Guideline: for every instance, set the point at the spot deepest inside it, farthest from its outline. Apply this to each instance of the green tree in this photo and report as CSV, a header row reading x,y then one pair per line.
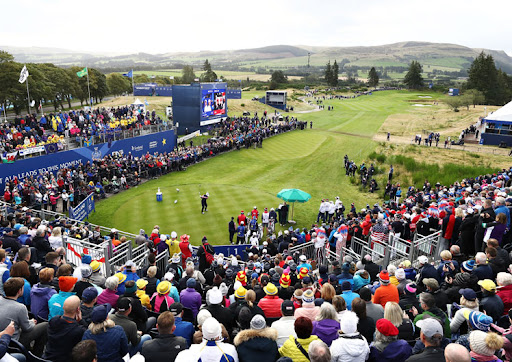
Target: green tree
x,y
118,84
475,96
328,72
413,79
455,102
279,77
209,75
373,77
6,57
187,74
335,74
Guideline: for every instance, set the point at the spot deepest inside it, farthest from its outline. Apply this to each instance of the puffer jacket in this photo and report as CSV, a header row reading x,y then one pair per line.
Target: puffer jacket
x,y
505,294
257,345
271,306
349,348
289,348
360,282
397,351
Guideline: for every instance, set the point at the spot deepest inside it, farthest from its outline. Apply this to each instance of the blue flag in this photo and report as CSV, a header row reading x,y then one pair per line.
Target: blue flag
x,y
129,74
146,102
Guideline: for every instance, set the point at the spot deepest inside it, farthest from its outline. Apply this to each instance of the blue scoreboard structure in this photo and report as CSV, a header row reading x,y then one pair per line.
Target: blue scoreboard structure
x,y
199,105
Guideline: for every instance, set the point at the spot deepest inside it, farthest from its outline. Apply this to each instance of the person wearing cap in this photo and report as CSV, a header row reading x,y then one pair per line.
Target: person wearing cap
x,y
284,325
111,340
218,311
121,279
166,345
41,293
257,343
386,292
239,298
348,294
387,345
297,347
138,313
211,348
432,287
241,218
426,270
109,294
271,303
490,302
64,332
183,328
89,298
160,300
56,302
121,318
84,281
468,302
173,243
476,321
204,249
141,293
190,298
431,335
351,346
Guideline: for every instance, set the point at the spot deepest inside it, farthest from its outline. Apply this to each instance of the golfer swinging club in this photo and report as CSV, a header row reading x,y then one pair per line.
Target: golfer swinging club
x,y
204,205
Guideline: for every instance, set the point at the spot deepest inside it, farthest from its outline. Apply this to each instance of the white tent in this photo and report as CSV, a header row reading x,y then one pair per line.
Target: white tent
x,y
504,114
138,104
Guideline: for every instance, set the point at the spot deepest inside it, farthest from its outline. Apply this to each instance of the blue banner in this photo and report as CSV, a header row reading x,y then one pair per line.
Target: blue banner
x,y
137,146
232,250
83,209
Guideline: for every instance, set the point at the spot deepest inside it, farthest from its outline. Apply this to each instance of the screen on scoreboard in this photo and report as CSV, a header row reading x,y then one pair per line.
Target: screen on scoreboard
x,y
213,103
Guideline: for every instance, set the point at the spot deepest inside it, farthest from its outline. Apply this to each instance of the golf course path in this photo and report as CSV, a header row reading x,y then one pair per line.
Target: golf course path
x,y
316,109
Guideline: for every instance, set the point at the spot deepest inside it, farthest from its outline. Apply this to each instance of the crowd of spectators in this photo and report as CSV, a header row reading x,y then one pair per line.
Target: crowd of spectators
x,y
275,304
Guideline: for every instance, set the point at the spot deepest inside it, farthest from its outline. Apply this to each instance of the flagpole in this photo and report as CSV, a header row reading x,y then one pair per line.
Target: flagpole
x,y
89,88
133,87
28,95
5,114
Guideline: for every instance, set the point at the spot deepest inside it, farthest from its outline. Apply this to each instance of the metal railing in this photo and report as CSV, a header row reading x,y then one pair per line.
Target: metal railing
x,y
75,248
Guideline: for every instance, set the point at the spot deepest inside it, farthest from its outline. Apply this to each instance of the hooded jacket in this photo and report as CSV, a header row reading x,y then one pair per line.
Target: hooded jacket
x,y
39,297
191,299
63,334
326,330
255,345
289,348
349,348
397,351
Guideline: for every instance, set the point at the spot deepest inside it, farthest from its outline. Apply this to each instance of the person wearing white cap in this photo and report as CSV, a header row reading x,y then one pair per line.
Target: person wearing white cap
x,y
218,311
431,335
351,346
304,263
212,348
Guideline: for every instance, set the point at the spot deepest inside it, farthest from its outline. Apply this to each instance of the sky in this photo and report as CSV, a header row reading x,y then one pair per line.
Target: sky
x,y
129,26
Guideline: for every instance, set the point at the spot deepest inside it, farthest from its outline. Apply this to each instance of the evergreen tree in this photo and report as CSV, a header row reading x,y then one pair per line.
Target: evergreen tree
x,y
335,71
492,82
413,78
328,73
373,77
209,75
188,74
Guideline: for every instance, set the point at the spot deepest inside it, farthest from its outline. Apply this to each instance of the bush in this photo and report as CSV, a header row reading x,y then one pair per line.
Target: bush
x,y
242,105
474,155
381,158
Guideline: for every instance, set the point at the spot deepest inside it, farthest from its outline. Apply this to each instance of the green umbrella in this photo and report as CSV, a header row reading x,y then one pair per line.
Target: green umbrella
x,y
293,196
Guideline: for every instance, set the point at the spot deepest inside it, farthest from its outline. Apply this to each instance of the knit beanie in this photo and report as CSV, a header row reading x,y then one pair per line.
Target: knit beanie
x,y
384,277
485,344
468,266
303,272
285,280
241,277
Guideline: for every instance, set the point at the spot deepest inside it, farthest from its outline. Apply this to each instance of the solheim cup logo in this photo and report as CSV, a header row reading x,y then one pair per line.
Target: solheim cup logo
x,y
96,154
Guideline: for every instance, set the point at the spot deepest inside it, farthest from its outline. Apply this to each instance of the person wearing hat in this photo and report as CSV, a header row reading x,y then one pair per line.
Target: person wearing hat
x,y
84,281
166,345
121,318
111,341
89,298
56,302
468,302
185,248
351,345
476,321
211,348
190,298
285,289
484,346
426,270
440,295
284,325
257,343
308,308
348,294
121,279
271,303
345,274
97,278
386,292
109,294
218,311
141,293
467,232
387,347
41,293
297,347
402,280
183,328
239,296
160,300
202,252
64,332
175,266
490,302
173,243
431,335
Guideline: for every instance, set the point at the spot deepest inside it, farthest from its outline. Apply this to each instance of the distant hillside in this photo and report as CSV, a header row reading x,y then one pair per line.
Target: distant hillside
x,y
433,56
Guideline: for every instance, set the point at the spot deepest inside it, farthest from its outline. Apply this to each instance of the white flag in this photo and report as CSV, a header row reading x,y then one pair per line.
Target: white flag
x,y
171,77
23,74
33,103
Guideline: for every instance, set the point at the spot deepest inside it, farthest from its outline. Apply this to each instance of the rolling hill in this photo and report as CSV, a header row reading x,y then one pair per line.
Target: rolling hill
x,y
441,56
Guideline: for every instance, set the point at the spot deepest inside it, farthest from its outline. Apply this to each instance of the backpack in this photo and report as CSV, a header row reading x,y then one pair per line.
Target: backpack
x,y
209,257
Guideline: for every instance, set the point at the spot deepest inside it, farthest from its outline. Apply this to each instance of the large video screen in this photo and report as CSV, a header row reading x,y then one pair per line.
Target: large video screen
x,y
213,103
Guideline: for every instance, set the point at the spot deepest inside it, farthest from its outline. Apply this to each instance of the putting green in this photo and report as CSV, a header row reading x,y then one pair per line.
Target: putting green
x,y
311,160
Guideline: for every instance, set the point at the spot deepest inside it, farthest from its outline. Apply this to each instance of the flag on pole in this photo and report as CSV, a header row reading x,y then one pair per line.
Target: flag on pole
x,y
23,75
33,103
82,73
196,79
40,105
129,74
146,102
9,157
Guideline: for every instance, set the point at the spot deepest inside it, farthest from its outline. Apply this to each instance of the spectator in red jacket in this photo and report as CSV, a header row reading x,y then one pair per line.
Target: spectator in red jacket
x,y
504,281
387,292
271,303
